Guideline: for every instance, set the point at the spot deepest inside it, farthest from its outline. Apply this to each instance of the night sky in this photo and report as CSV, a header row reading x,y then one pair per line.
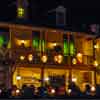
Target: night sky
x,y
78,11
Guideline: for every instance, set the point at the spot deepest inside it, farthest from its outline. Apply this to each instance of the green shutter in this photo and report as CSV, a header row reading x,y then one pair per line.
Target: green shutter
x,y
1,41
66,49
35,43
72,49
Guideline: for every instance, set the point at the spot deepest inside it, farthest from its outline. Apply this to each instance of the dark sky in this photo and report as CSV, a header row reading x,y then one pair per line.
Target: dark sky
x,y
78,11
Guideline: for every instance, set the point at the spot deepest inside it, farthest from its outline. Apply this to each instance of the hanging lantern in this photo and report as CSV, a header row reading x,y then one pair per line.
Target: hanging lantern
x,y
44,58
74,61
58,58
79,57
96,63
30,57
22,58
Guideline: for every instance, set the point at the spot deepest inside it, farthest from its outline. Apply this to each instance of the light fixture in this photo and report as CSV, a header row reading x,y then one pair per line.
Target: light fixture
x,y
96,63
74,61
22,58
18,77
79,57
69,90
46,79
96,46
30,57
58,58
53,91
44,58
17,91
93,88
74,79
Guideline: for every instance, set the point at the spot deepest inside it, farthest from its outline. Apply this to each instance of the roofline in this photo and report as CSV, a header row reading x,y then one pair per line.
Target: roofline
x,y
13,25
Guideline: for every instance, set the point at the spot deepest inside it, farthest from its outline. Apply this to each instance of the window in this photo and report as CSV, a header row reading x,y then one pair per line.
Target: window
x,y
20,12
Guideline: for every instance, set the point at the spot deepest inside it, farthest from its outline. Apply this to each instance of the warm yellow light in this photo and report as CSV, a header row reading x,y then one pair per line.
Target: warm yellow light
x,y
44,58
46,79
93,88
17,91
26,43
79,57
20,12
54,44
96,46
18,77
69,90
74,61
96,63
53,91
23,41
30,57
22,57
74,79
58,58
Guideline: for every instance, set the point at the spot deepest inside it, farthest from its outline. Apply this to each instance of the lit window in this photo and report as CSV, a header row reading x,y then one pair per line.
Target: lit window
x,y
20,12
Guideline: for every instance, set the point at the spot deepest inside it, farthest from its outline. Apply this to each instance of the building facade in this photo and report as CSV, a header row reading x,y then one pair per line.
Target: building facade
x,y
47,56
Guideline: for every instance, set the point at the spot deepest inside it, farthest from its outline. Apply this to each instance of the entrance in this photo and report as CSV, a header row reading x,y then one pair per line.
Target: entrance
x,y
56,78
81,78
28,76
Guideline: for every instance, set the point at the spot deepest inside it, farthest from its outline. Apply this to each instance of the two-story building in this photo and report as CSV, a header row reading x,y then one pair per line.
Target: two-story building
x,y
47,56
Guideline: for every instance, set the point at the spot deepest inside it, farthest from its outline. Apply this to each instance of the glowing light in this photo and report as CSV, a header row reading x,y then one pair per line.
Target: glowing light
x,y
44,58
96,63
79,57
54,44
93,88
58,58
18,77
74,61
23,41
96,46
74,79
20,12
17,91
22,57
69,90
53,91
30,57
46,79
